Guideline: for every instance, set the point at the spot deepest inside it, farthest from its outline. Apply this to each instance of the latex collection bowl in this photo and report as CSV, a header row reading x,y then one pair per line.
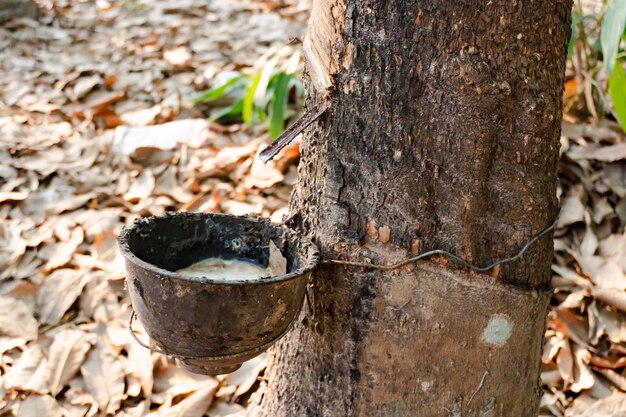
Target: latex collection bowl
x,y
212,326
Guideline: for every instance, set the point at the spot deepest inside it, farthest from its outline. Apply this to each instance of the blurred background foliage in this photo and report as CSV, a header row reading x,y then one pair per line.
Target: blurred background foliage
x,y
596,82
271,93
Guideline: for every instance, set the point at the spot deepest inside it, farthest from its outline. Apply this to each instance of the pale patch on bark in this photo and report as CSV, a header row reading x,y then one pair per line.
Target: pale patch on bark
x,y
318,47
348,87
398,292
324,55
348,58
498,331
319,76
426,385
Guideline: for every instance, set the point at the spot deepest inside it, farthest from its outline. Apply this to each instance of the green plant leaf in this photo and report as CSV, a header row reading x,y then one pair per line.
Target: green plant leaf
x,y
254,96
260,114
228,113
220,91
572,38
279,102
262,92
248,99
612,29
617,88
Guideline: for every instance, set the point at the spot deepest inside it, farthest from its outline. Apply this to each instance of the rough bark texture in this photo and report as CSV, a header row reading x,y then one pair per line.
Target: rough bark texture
x,y
442,132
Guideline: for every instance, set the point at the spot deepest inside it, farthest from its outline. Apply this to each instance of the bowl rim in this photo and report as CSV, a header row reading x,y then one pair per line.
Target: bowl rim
x,y
311,259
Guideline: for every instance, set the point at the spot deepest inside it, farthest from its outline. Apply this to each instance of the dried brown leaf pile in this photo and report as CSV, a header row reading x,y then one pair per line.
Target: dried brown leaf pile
x,y
584,355
95,131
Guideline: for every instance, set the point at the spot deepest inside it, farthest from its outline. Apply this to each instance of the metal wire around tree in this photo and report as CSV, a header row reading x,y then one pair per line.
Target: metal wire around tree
x,y
451,255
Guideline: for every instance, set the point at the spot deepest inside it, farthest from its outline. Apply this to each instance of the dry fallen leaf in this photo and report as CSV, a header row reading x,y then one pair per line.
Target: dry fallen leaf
x,y
191,132
581,403
277,265
64,250
171,381
84,85
222,409
10,343
613,323
602,272
550,377
583,377
142,117
16,319
39,405
616,379
195,405
67,353
565,363
58,293
141,188
572,211
612,406
103,374
551,348
602,153
611,296
168,185
571,326
262,175
12,246
177,56
29,373
589,245
12,196
139,370
98,100
78,395
246,376
70,410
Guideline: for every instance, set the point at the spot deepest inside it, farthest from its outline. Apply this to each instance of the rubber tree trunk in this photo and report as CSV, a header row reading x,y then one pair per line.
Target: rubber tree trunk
x,y
442,133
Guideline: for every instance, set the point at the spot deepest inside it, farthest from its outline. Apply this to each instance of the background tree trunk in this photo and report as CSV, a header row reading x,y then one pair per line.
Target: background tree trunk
x,y
10,9
442,132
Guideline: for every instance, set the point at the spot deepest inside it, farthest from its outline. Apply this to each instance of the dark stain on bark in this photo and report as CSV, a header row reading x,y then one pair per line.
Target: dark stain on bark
x,y
360,314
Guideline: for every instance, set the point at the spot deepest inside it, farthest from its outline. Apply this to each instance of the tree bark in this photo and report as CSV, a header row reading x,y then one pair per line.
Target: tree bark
x,y
442,133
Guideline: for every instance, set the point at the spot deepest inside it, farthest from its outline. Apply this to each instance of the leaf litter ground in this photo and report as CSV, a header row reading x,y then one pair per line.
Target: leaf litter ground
x,y
96,129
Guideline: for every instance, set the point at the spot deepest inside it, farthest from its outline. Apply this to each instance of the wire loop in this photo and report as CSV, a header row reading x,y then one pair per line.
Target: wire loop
x,y
451,255
133,315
